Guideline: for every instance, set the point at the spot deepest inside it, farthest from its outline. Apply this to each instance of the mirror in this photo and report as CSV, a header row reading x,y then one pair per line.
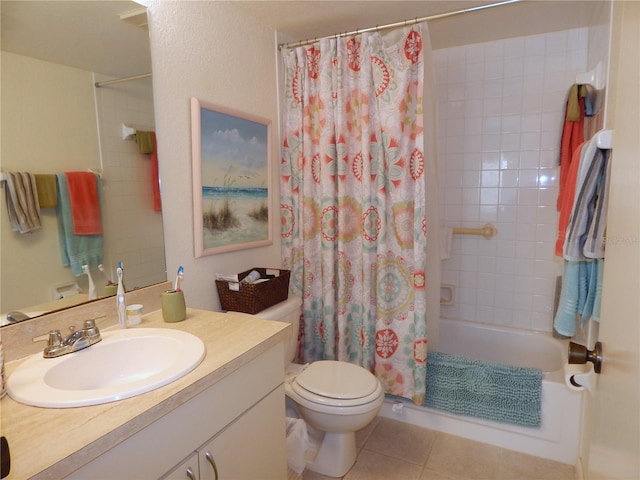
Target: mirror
x,y
55,120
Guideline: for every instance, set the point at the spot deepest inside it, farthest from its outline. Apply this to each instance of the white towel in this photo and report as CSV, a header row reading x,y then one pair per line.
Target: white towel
x,y
589,206
297,444
21,198
594,244
446,240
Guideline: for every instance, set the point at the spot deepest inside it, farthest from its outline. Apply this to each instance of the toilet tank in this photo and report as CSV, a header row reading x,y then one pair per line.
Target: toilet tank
x,y
289,312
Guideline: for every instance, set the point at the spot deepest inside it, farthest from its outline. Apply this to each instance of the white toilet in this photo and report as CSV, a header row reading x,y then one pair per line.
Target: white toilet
x,y
336,398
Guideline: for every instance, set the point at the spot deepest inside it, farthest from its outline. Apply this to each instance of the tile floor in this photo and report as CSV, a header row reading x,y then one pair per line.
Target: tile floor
x,y
393,450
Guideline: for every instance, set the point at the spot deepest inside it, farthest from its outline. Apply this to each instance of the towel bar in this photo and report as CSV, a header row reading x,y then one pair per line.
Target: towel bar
x,y
595,77
488,231
603,139
127,132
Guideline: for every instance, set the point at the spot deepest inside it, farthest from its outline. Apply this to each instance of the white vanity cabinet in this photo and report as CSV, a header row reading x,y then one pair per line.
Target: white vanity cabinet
x,y
243,450
239,421
187,470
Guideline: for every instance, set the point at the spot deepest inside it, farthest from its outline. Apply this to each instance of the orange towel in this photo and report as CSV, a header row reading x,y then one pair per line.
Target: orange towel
x,y
157,205
85,203
565,202
147,145
572,137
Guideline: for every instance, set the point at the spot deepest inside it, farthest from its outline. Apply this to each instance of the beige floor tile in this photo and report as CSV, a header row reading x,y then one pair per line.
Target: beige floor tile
x,y
464,458
291,475
392,450
518,466
374,466
308,475
363,435
401,440
428,474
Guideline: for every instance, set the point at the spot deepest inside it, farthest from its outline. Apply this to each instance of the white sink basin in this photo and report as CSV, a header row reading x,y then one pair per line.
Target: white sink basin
x,y
124,364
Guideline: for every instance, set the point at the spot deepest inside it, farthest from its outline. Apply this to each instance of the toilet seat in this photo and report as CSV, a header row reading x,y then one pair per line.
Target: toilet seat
x,y
335,383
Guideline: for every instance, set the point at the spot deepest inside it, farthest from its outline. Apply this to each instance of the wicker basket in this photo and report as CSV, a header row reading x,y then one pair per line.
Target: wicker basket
x,y
254,297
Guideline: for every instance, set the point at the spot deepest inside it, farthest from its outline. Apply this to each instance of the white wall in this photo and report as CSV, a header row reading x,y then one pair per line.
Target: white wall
x,y
215,52
501,109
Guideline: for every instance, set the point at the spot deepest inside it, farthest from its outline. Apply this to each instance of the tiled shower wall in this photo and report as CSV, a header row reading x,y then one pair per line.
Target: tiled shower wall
x,y
501,106
134,230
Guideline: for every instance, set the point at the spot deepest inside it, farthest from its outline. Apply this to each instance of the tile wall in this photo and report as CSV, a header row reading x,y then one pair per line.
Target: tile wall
x,y
501,106
135,234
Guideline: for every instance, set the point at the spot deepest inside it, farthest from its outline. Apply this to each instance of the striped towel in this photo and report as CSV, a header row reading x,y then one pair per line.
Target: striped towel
x,y
21,196
594,244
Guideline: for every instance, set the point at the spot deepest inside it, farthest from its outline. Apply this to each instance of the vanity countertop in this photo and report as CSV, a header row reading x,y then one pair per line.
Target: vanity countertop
x,y
52,442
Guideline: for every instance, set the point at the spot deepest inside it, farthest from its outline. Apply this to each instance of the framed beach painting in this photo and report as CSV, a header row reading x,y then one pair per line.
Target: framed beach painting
x,y
231,179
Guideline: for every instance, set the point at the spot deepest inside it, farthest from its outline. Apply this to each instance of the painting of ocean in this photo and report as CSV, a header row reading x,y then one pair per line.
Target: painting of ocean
x,y
231,171
247,205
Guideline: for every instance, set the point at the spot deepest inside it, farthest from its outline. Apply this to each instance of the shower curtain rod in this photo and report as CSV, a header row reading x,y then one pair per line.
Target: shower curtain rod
x,y
399,24
123,79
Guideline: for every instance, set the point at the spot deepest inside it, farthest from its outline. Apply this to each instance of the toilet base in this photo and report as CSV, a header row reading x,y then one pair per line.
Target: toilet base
x,y
336,454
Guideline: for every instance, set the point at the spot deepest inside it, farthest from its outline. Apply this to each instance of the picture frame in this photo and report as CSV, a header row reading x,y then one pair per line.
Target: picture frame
x,y
231,154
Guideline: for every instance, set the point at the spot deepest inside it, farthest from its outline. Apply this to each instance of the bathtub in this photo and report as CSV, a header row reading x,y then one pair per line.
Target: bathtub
x,y
558,437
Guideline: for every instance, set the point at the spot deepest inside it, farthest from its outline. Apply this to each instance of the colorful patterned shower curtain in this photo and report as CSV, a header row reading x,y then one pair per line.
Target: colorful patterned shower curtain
x,y
353,203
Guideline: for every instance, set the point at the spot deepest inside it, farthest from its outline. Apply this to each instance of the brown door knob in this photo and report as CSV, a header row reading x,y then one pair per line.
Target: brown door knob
x,y
580,354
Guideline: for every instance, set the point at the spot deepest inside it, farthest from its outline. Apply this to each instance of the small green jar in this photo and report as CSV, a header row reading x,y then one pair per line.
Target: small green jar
x,y
174,308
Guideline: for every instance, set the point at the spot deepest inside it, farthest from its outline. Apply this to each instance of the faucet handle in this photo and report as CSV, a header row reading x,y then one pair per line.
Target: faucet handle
x,y
55,339
91,329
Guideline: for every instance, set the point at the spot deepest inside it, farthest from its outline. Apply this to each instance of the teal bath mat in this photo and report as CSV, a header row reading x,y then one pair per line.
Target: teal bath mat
x,y
502,393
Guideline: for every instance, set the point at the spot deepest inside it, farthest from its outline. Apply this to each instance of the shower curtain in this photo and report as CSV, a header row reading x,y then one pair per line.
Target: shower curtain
x,y
353,202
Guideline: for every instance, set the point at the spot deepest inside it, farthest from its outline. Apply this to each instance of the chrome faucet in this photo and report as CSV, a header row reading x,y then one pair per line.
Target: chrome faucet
x,y
76,340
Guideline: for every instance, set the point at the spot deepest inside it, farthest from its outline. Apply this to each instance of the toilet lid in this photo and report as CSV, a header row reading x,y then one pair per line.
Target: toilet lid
x,y
338,380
